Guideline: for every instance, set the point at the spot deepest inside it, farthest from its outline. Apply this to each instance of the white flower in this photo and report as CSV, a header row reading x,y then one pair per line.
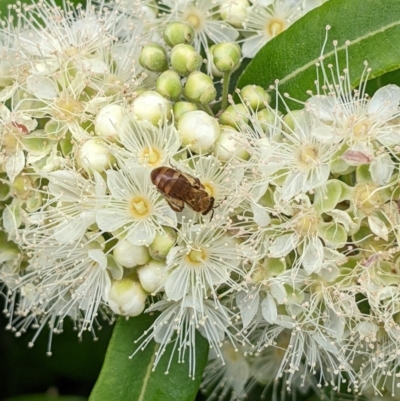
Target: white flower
x,y
204,258
267,19
146,144
179,322
134,208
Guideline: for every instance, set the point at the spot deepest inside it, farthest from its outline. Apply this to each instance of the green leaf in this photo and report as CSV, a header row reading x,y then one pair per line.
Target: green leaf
x,y
371,26
125,379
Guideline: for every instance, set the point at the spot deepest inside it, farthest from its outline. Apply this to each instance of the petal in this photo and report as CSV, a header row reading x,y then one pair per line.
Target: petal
x,y
42,87
142,233
14,164
248,306
385,102
177,284
381,169
313,256
269,309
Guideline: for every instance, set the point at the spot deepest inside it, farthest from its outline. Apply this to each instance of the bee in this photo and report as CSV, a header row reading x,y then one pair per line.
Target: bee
x,y
179,188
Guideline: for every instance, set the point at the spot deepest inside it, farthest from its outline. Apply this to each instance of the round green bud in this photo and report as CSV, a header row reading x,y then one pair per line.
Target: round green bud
x,y
234,115
226,56
234,12
180,108
169,85
127,297
162,243
177,33
267,120
185,59
153,57
255,96
200,88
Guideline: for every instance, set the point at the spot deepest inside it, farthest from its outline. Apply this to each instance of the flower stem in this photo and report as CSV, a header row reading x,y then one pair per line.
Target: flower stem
x,y
225,90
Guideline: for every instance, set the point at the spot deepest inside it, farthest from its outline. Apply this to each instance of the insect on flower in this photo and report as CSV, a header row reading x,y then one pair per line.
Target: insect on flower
x,y
179,188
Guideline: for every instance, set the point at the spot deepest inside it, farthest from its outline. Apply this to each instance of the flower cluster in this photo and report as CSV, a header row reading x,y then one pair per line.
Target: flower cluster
x,y
291,272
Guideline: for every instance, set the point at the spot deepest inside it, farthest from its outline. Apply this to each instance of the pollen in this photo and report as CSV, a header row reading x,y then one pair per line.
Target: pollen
x,y
367,198
308,156
209,188
306,224
194,17
139,207
67,108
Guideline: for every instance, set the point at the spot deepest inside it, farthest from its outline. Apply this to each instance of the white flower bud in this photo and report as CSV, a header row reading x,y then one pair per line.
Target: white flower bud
x,y
198,131
177,33
162,243
108,120
153,57
152,276
169,85
234,115
180,108
230,143
127,297
93,155
255,96
226,56
129,255
200,88
185,59
151,106
234,12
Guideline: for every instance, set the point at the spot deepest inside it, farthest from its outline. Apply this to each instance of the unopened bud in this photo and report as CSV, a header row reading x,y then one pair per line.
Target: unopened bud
x,y
198,131
129,255
93,155
169,85
162,243
234,115
177,33
108,120
127,297
152,276
234,12
185,59
153,57
151,106
180,108
200,88
230,144
226,56
255,96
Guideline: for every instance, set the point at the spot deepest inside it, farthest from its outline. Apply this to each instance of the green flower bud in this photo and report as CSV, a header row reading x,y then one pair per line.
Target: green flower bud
x,y
226,56
268,119
177,33
180,108
153,57
234,12
255,96
200,88
185,59
234,115
169,85
162,243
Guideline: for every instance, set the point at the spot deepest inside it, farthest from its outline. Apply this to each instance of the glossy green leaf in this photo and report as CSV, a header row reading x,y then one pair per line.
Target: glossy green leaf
x,y
371,26
125,379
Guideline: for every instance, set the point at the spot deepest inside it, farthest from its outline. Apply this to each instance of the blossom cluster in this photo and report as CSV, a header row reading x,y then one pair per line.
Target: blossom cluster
x,y
294,272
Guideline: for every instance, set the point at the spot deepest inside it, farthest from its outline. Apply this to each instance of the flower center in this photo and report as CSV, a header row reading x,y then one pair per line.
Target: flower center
x,y
275,27
209,188
150,156
196,256
361,129
308,156
366,198
306,225
67,108
139,207
195,18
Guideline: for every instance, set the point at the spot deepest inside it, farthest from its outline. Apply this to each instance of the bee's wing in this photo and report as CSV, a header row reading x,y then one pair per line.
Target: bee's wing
x,y
176,204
